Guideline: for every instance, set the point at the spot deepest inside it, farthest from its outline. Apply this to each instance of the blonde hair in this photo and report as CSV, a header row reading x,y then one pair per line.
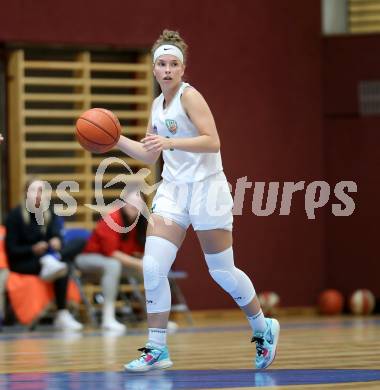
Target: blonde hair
x,y
169,37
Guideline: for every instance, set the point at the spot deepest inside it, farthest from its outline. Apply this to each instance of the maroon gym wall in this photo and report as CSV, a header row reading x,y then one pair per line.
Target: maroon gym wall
x,y
259,66
352,153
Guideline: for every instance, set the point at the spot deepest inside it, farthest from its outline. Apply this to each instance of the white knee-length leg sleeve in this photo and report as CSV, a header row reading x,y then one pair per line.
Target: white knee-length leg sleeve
x,y
158,258
234,281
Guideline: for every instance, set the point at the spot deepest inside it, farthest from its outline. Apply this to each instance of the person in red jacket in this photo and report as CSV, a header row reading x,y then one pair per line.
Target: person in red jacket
x,y
113,253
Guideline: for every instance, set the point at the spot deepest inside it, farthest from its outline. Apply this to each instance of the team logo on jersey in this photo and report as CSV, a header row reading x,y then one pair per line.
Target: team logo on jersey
x,y
171,125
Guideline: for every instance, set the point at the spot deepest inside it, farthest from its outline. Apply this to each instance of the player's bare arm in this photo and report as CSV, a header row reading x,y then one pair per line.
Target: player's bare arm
x,y
137,150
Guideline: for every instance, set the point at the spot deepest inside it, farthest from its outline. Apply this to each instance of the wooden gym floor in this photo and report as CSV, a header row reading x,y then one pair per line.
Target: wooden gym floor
x,y
314,353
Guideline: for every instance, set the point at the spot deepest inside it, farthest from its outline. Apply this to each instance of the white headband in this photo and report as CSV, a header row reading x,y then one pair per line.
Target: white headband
x,y
168,49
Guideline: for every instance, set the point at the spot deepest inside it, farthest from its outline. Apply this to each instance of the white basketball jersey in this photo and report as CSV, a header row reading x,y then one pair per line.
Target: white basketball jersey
x,y
173,122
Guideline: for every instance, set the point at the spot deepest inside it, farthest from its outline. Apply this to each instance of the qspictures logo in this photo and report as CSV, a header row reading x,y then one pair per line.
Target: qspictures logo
x,y
264,198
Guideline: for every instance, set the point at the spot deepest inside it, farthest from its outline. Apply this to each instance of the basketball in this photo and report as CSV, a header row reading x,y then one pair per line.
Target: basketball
x,y
269,302
330,302
98,130
362,302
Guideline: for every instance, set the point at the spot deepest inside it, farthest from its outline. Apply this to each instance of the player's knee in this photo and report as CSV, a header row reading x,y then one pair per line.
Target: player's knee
x,y
151,270
155,272
221,267
158,259
234,281
156,283
229,279
225,278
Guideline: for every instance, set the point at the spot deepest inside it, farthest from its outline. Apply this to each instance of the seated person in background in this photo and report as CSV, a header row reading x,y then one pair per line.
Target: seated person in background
x,y
36,249
111,253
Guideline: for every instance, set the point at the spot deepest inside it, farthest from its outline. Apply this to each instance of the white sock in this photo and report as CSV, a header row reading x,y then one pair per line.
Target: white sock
x,y
108,311
257,322
157,336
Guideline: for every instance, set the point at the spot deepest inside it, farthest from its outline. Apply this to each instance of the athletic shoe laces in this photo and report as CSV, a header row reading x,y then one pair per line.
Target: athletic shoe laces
x,y
259,345
148,354
145,350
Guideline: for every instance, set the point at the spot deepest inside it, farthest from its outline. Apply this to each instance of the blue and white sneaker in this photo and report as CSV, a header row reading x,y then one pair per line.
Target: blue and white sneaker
x,y
152,357
266,343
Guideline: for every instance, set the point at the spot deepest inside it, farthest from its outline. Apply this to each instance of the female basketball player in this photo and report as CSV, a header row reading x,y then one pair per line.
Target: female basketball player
x,y
194,191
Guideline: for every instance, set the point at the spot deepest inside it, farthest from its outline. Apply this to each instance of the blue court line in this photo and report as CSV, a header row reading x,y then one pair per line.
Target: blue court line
x,y
183,379
49,333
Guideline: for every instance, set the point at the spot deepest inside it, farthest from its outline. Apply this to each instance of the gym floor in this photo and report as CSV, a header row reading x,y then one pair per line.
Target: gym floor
x,y
216,353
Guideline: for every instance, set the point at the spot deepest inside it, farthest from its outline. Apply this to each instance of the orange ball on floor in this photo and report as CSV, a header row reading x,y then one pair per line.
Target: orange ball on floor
x,y
330,302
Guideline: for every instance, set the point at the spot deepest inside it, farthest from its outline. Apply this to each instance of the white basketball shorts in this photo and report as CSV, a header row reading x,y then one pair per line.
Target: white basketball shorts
x,y
206,204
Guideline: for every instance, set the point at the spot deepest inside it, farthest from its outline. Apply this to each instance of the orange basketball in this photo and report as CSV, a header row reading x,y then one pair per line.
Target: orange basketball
x,y
330,302
98,130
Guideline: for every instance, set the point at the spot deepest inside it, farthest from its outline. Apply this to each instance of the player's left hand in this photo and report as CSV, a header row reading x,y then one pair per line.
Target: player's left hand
x,y
156,143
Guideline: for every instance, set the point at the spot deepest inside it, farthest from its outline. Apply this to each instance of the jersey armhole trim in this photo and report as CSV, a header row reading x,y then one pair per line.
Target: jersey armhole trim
x,y
180,98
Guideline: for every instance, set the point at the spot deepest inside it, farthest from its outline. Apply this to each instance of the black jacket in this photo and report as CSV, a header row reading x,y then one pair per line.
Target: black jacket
x,y
21,235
